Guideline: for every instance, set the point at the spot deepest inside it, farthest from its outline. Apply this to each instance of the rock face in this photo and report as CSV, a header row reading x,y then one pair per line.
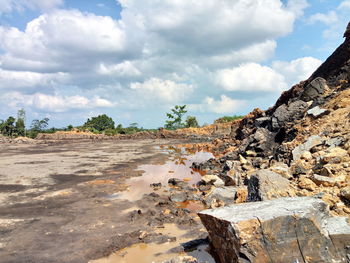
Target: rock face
x,y
265,185
281,231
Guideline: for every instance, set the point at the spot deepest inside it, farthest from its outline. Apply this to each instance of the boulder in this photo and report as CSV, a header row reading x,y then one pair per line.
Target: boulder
x,y
211,179
266,184
178,197
323,180
283,114
314,90
317,112
224,194
335,155
345,193
311,142
282,230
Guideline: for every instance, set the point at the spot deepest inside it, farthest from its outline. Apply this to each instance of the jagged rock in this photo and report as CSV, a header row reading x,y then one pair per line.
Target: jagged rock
x,y
283,114
323,180
306,183
317,112
282,230
347,31
282,169
211,179
335,155
262,122
266,184
299,167
335,142
311,142
181,259
345,192
225,194
314,90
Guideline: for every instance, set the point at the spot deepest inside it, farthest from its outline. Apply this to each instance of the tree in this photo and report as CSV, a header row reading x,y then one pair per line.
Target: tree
x,y
8,127
20,123
191,121
39,125
175,118
100,123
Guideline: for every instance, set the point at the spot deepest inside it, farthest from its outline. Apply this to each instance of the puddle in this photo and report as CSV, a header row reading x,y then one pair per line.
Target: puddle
x,y
177,167
152,252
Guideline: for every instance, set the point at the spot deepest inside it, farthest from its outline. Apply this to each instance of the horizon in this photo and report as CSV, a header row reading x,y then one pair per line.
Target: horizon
x,y
71,60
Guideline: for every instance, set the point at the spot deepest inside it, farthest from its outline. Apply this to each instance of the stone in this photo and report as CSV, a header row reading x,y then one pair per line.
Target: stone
x,y
181,259
210,179
225,194
283,114
266,184
347,32
251,153
306,155
299,167
314,90
282,169
335,142
323,180
231,178
335,155
345,193
311,142
306,183
281,230
242,159
178,197
177,183
262,122
317,112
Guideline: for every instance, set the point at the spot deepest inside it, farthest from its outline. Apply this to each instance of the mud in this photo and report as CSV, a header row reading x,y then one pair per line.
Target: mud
x,y
61,203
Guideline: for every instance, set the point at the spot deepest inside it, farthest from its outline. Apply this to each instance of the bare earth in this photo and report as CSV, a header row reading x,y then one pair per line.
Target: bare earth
x,y
55,203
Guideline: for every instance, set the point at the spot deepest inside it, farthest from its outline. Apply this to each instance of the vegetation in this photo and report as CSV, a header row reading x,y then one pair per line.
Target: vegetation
x,y
38,126
191,121
99,123
175,118
228,119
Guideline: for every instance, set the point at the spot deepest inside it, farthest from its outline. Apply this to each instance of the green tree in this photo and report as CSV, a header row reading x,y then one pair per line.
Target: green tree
x,y
191,121
20,123
175,118
39,125
100,123
70,127
8,127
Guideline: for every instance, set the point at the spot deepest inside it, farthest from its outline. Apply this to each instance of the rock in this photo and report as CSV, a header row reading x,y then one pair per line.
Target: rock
x,y
251,153
241,195
335,155
314,90
211,179
262,122
281,230
178,197
299,167
347,32
225,194
283,114
335,142
266,184
306,183
323,180
181,259
345,193
317,112
242,159
282,169
156,185
177,183
306,155
325,171
311,142
231,178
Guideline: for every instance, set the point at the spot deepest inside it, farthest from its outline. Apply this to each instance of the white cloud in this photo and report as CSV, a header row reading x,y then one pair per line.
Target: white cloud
x,y
225,105
297,6
53,103
166,90
296,70
329,18
124,69
251,77
344,5
7,6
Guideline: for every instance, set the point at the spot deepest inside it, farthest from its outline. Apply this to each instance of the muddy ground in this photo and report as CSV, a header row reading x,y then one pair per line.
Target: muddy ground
x,y
57,201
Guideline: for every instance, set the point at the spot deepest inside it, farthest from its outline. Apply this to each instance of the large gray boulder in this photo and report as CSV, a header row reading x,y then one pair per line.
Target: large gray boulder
x,y
288,113
266,184
226,195
285,230
314,90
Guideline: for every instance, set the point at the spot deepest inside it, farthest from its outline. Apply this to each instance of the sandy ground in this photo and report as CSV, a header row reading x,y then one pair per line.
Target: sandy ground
x,y
55,203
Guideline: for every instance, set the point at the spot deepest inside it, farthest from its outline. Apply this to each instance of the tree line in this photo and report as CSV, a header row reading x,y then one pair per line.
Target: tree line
x,y
14,127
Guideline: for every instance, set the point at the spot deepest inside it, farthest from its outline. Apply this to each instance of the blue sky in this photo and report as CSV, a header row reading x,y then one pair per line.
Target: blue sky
x,y
134,60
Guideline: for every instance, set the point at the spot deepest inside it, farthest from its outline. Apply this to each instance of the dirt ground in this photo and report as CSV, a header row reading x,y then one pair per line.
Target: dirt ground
x,y
57,205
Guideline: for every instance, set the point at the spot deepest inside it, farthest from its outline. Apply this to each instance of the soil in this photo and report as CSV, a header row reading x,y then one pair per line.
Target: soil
x,y
60,202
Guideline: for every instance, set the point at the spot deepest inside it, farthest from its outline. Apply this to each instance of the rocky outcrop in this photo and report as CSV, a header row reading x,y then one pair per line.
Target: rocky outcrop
x,y
282,230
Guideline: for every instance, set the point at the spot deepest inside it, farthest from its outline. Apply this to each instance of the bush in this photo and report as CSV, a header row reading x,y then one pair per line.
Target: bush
x,y
228,119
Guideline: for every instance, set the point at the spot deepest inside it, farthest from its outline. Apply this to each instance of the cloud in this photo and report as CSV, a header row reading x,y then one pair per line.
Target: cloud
x,y
251,77
329,18
296,70
225,105
344,5
166,90
53,103
7,6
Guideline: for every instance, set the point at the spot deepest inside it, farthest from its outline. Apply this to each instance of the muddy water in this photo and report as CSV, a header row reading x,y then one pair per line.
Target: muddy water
x,y
178,166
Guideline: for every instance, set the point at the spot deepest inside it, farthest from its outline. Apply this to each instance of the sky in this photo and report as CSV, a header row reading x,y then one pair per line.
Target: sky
x,y
134,60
